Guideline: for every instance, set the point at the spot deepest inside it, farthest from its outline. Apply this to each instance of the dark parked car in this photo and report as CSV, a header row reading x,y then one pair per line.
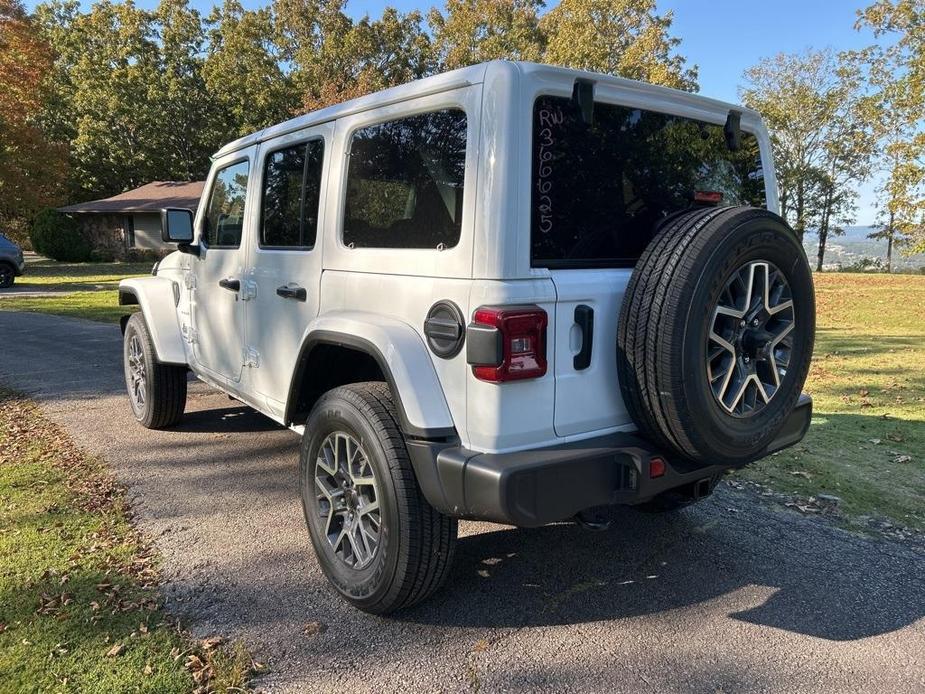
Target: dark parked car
x,y
12,263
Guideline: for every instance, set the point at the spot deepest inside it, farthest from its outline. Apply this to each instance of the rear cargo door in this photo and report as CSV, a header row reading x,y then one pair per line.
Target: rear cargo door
x,y
585,362
603,179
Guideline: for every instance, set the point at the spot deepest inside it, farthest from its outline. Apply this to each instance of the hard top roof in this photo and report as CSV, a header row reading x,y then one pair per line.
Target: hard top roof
x,y
454,79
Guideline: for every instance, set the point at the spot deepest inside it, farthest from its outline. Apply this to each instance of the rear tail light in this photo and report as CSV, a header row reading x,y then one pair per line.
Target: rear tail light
x,y
708,197
657,467
507,343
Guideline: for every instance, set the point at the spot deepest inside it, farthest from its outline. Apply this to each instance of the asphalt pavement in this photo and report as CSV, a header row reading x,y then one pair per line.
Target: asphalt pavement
x,y
732,595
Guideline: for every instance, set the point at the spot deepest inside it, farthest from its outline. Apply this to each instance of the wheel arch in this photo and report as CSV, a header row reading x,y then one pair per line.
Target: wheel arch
x,y
352,349
157,297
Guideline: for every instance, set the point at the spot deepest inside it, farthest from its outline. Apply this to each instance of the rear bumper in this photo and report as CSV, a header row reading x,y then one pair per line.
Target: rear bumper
x,y
535,487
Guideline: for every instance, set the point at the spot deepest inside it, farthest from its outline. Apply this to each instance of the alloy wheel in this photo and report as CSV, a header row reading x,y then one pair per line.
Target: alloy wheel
x,y
751,338
348,500
138,379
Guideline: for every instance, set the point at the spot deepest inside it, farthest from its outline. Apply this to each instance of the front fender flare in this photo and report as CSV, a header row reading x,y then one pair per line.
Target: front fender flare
x,y
157,298
403,359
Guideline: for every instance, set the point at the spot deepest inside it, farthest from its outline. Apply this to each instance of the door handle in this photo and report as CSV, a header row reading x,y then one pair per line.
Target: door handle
x,y
584,317
230,284
292,292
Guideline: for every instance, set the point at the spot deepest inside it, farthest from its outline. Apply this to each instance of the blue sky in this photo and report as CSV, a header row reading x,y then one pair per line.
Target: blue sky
x,y
721,37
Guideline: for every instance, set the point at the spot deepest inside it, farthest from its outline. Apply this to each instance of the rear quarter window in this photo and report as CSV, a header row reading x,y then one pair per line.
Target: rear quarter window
x,y
405,182
599,191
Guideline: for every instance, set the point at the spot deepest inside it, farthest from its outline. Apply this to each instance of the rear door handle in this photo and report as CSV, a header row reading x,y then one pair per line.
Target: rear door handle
x,y
295,293
584,317
230,284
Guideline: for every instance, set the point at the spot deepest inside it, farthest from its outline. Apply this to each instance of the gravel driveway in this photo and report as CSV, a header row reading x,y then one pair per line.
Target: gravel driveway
x,y
732,595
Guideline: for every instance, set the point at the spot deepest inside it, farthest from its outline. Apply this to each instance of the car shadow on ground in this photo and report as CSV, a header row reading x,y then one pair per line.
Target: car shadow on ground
x,y
799,575
234,419
790,572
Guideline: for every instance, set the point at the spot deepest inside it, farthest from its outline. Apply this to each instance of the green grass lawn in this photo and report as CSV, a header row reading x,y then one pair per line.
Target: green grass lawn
x,y
47,274
79,608
88,289
866,444
102,305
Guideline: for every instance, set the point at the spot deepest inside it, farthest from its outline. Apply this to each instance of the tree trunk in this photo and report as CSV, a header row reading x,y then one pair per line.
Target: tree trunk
x,y
824,230
889,246
823,234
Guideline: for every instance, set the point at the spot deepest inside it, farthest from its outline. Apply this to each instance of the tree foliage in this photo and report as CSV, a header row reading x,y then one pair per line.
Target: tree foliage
x,y
31,167
618,37
822,121
473,31
247,88
134,95
899,75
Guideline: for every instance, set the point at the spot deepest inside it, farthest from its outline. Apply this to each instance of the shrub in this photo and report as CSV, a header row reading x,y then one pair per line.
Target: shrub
x,y
102,255
864,265
58,237
142,255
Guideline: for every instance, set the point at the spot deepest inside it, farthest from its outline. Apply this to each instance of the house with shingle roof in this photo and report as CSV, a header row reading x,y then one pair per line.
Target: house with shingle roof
x,y
132,220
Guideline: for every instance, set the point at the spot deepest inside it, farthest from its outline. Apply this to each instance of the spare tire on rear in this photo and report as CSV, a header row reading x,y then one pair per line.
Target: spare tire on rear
x,y
716,333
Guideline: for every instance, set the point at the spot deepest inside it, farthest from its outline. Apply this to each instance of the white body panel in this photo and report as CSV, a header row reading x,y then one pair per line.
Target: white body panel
x,y
274,325
383,295
405,355
155,296
588,399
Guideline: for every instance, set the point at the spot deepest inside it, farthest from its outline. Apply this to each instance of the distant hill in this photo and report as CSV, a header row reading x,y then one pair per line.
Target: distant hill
x,y
853,246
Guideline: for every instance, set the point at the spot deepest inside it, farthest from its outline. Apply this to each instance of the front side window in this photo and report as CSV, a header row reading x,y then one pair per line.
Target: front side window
x,y
291,195
599,190
405,182
224,222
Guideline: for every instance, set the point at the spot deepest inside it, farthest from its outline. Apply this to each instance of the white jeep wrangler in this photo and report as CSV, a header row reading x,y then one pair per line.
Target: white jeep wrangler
x,y
512,292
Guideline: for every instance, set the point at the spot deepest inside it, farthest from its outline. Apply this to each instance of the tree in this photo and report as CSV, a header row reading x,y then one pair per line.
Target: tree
x,y
474,31
179,95
242,72
130,98
31,167
902,213
901,195
334,58
110,62
899,71
821,120
618,37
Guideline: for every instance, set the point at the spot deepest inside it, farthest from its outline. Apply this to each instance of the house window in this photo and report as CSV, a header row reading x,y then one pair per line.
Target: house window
x,y
130,231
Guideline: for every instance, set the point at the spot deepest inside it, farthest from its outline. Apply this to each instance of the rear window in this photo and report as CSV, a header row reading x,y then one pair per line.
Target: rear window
x,y
405,182
600,190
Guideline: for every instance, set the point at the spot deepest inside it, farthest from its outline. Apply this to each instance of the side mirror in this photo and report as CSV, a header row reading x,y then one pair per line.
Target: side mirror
x,y
177,226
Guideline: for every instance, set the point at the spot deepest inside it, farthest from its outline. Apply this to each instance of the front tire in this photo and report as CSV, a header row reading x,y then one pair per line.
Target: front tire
x,y
156,391
378,541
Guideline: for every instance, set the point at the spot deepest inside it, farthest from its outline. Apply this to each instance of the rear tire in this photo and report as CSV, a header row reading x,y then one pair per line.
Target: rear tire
x,y
378,541
156,391
680,378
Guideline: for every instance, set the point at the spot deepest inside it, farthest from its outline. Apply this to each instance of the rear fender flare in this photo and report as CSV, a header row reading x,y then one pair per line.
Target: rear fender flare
x,y
403,359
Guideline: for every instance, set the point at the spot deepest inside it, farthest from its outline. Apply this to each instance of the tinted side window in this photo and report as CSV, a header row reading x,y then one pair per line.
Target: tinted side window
x,y
599,191
225,217
405,182
291,193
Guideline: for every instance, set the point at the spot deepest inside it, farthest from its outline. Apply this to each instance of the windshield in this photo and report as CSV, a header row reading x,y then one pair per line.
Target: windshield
x,y
600,190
